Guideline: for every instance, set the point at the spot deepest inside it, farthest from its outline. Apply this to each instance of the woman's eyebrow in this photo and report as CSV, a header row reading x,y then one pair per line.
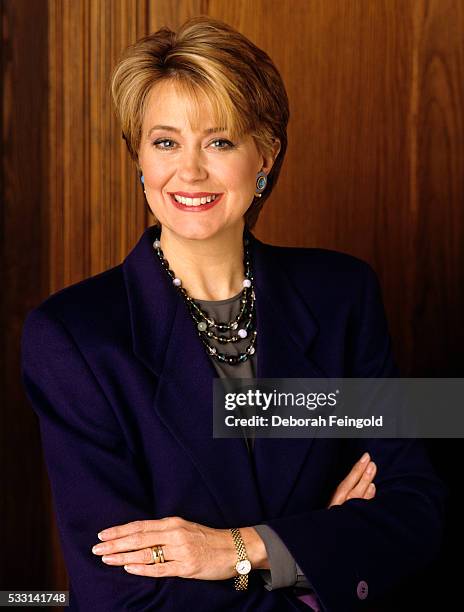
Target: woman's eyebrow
x,y
169,128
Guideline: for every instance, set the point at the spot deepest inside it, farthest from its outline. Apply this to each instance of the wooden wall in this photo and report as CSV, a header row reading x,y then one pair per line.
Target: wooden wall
x,y
25,511
374,168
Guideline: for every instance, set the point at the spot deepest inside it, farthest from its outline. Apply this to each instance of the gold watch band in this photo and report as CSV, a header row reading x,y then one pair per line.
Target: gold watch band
x,y
241,580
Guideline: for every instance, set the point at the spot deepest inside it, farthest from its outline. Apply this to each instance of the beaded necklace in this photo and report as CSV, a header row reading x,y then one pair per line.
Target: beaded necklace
x,y
207,327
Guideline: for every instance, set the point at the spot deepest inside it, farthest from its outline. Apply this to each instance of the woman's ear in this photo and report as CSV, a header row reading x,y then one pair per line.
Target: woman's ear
x,y
269,159
277,147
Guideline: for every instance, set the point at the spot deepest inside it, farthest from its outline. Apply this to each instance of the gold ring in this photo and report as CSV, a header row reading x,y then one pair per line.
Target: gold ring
x,y
155,553
158,555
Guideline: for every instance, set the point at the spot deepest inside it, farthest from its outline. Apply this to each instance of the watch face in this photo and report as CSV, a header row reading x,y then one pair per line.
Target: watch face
x,y
243,567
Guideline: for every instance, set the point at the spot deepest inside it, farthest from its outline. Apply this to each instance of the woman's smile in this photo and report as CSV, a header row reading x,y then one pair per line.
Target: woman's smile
x,y
197,204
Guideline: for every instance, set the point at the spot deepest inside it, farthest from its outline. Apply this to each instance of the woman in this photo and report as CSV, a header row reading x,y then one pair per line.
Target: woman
x,y
119,368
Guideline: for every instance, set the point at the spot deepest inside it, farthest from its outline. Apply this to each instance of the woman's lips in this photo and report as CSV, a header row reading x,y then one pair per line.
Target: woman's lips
x,y
199,208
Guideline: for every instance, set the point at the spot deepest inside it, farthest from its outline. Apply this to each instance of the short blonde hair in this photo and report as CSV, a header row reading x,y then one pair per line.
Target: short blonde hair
x,y
207,57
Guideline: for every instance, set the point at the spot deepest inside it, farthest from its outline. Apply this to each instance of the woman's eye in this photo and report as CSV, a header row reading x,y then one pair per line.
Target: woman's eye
x,y
228,143
159,144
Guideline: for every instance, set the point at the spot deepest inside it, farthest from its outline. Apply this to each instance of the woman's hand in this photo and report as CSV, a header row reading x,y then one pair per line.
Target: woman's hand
x,y
190,550
358,484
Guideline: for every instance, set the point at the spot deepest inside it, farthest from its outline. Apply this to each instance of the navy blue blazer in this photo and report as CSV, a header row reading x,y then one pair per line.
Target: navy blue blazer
x,y
122,387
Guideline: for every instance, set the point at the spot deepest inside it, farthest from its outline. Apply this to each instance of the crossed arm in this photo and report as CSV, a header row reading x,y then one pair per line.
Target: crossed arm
x,y
197,551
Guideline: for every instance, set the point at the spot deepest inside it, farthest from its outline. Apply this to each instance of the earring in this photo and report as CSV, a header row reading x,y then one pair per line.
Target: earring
x,y
261,182
142,180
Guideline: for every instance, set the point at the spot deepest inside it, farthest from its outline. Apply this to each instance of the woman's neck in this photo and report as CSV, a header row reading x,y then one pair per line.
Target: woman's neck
x,y
209,269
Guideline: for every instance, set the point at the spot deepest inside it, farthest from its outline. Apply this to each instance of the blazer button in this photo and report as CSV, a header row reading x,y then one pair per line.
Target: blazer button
x,y
362,589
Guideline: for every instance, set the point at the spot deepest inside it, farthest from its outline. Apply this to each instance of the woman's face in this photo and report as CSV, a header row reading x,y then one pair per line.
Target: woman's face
x,y
176,160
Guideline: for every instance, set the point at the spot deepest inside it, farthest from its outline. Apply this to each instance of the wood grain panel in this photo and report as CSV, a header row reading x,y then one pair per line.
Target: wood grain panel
x,y
437,206
25,509
96,206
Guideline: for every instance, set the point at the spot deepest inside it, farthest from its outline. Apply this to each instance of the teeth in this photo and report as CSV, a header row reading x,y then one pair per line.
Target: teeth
x,y
194,201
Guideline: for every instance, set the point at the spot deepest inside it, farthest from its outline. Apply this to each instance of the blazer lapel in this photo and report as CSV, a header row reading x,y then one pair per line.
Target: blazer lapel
x,y
165,340
286,330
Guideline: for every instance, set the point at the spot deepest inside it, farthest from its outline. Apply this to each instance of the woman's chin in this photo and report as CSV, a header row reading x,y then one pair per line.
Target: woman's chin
x,y
198,230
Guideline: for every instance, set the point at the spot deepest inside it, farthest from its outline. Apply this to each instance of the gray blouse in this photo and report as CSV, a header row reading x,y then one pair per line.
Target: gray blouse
x,y
284,571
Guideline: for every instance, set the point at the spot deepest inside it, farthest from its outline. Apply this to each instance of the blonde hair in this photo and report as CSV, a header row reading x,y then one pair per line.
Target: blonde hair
x,y
206,57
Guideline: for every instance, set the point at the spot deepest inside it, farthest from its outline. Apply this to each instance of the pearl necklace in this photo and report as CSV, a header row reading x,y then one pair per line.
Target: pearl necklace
x,y
205,324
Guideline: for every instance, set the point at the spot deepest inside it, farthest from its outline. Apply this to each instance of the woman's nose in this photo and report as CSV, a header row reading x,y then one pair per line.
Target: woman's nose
x,y
191,165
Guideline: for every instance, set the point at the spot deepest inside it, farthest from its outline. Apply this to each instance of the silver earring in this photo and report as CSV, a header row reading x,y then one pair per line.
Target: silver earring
x,y
142,180
261,182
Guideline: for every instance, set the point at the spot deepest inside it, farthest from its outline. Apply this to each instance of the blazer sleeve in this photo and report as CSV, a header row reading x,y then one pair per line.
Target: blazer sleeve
x,y
95,478
363,549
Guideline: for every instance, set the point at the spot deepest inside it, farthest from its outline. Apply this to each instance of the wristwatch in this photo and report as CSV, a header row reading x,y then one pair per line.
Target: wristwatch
x,y
243,565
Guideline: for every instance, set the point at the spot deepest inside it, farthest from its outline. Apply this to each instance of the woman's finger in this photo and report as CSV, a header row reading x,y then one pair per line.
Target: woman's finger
x,y
358,491
158,570
119,531
135,541
370,493
144,555
351,480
